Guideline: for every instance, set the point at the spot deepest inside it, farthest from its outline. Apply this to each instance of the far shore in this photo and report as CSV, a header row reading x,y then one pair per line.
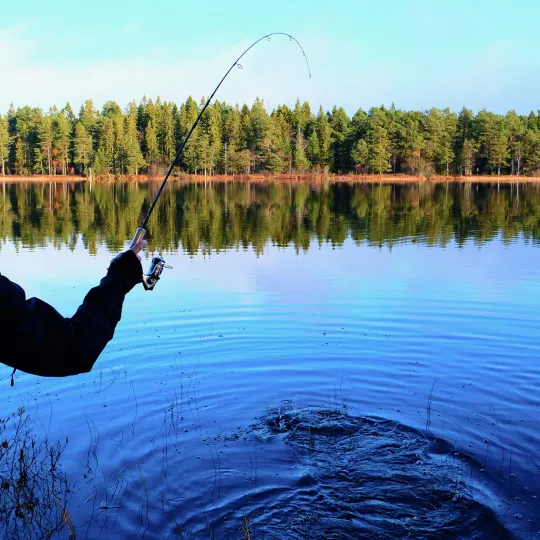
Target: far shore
x,y
263,178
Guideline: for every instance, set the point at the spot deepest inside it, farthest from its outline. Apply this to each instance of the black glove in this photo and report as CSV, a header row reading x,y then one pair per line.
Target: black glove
x,y
128,265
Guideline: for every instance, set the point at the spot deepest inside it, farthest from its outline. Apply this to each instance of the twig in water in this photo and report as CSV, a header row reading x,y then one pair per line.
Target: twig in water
x,y
428,408
245,528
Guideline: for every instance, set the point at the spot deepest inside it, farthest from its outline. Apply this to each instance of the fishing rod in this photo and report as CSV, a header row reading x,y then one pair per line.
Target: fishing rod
x,y
158,264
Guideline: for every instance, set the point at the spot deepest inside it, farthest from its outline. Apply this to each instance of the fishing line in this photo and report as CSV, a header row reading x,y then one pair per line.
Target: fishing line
x,y
157,265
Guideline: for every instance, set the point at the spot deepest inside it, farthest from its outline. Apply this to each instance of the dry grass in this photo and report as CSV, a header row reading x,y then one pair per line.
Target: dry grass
x,y
38,178
245,528
263,178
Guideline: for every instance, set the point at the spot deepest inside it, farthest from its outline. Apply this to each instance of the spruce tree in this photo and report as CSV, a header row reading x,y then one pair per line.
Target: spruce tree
x,y
340,125
324,133
532,152
313,150
259,128
133,158
151,144
301,162
187,116
82,147
103,159
379,154
166,138
360,155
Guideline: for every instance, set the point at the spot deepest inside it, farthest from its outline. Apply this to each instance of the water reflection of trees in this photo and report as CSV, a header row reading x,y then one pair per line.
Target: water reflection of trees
x,y
205,217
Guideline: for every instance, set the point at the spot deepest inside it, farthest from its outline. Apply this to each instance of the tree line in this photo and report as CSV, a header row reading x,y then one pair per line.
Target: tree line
x,y
143,138
211,217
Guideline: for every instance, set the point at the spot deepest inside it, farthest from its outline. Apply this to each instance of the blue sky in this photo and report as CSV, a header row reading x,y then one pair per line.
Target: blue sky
x,y
416,53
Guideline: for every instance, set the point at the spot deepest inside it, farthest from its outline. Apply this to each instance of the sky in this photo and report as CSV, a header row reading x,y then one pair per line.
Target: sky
x,y
414,53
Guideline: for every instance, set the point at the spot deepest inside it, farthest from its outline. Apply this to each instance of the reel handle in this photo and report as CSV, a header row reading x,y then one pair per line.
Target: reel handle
x,y
157,265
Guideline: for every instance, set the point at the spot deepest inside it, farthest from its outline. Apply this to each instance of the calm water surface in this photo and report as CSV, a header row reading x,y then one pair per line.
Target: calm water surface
x,y
287,311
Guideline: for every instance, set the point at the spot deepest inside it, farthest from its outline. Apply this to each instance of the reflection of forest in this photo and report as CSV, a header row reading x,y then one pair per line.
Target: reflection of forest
x,y
205,217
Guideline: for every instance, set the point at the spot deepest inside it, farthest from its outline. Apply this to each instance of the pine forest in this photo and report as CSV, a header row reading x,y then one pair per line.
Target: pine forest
x,y
143,138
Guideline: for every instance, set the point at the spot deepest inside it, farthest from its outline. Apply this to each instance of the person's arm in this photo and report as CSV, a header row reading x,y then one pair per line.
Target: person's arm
x,y
36,339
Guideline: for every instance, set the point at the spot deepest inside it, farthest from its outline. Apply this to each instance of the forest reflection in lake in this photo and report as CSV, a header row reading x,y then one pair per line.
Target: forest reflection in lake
x,y
217,216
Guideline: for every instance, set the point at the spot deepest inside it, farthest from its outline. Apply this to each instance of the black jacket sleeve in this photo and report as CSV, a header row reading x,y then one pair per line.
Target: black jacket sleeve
x,y
35,338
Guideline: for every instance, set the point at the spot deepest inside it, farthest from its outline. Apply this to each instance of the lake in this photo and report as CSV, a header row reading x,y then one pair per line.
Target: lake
x,y
322,361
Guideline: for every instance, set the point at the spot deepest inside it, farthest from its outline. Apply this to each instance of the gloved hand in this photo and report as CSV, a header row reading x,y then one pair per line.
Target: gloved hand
x,y
138,247
128,264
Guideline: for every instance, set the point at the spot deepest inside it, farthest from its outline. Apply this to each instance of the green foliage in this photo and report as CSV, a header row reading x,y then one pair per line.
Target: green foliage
x,y
313,150
82,147
144,138
378,150
301,162
151,142
5,143
61,130
360,154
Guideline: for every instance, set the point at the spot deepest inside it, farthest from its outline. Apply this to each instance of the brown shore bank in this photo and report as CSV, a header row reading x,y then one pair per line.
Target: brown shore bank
x,y
261,178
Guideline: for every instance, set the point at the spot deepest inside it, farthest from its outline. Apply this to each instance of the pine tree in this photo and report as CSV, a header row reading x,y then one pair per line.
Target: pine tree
x,y
187,116
19,156
103,159
324,133
212,126
82,147
301,117
276,163
466,131
340,125
232,137
202,148
410,142
259,128
5,143
43,148
360,155
493,140
132,157
516,132
313,150
89,118
445,151
468,156
301,162
433,127
20,128
61,141
151,144
532,152
379,155
166,138
67,111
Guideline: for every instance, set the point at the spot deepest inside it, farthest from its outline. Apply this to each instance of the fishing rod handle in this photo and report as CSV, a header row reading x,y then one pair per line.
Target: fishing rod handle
x,y
139,235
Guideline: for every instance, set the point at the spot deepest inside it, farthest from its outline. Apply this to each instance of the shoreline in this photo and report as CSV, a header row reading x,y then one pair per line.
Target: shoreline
x,y
285,178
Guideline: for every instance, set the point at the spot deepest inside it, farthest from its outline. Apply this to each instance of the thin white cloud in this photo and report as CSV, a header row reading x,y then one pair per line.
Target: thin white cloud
x,y
345,73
